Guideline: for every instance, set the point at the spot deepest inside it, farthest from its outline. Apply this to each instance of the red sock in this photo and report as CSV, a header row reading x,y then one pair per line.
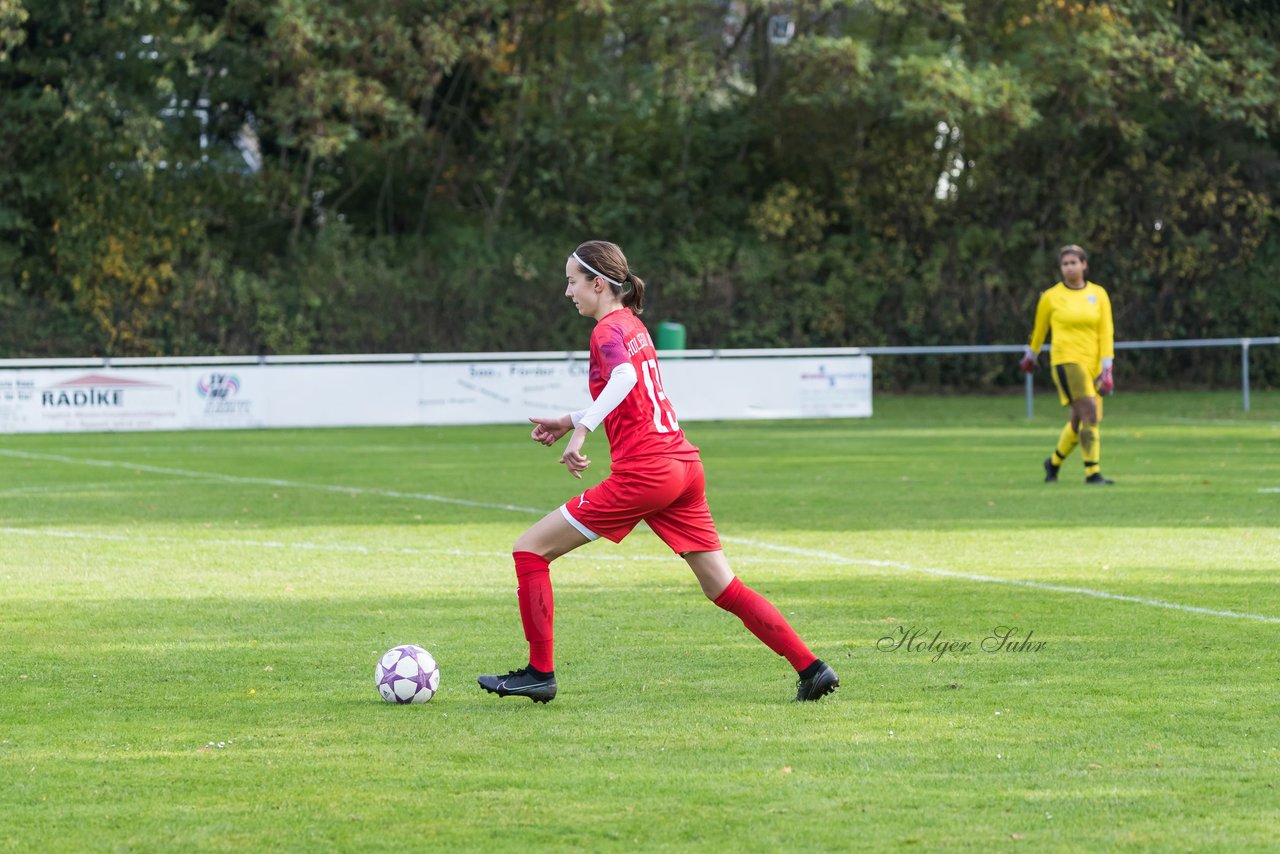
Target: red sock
x,y
766,623
537,608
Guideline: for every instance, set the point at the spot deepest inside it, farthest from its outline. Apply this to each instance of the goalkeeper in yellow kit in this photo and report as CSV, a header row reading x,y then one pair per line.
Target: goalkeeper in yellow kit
x,y
1078,312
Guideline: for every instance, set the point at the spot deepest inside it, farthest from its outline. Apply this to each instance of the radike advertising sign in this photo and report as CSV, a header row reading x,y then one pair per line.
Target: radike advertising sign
x,y
53,401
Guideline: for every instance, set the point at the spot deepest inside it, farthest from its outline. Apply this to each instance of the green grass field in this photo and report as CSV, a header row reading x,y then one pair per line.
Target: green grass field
x,y
189,625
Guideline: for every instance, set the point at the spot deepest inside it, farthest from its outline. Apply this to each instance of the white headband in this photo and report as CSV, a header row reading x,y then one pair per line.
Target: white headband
x,y
591,269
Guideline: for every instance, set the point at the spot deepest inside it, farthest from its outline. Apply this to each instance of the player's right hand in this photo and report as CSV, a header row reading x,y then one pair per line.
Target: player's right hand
x,y
1028,363
1106,383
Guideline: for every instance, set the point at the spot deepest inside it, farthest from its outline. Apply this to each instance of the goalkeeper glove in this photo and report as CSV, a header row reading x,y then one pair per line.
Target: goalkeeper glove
x,y
1028,363
1106,382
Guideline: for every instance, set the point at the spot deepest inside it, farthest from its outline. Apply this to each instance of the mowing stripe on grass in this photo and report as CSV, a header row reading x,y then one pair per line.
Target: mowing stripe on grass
x,y
991,579
53,533
59,489
840,559
255,544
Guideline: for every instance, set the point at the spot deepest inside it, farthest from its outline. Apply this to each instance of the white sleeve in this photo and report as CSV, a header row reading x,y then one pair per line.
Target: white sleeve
x,y
621,381
576,416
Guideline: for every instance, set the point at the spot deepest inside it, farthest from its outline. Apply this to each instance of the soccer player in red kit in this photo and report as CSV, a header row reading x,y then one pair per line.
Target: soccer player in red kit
x,y
656,476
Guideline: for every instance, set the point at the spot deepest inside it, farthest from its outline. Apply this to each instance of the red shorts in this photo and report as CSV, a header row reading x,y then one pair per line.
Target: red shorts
x,y
667,493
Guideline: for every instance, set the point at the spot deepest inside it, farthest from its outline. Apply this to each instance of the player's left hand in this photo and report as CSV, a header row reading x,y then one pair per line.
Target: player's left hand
x,y
573,459
1106,383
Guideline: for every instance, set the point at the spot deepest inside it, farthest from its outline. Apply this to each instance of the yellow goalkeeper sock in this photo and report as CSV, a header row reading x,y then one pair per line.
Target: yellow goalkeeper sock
x,y
1067,442
1091,447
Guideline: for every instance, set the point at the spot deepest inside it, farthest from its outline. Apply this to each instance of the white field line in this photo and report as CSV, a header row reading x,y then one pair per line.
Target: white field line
x,y
1270,489
809,553
264,481
992,579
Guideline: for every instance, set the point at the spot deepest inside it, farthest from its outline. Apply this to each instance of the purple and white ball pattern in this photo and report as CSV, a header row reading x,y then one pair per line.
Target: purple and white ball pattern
x,y
407,674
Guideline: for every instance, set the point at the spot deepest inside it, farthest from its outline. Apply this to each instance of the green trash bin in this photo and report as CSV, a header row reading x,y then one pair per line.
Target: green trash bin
x,y
671,336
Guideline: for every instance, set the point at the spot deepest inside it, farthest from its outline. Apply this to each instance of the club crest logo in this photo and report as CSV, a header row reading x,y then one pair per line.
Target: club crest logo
x,y
218,386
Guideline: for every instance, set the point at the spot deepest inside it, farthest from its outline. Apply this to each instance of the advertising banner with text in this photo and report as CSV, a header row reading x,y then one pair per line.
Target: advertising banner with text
x,y
49,400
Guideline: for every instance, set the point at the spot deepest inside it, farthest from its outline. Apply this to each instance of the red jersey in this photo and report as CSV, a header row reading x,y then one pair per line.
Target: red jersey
x,y
644,423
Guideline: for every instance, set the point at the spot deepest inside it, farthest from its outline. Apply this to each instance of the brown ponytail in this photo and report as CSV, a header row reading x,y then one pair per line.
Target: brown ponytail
x,y
634,299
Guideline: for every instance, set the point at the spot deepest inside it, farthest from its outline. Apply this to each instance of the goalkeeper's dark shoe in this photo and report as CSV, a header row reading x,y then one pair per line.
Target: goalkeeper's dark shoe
x,y
525,682
820,682
1050,471
1096,479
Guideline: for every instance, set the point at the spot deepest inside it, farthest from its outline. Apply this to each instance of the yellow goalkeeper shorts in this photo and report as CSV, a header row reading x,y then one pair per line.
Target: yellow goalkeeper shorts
x,y
1073,382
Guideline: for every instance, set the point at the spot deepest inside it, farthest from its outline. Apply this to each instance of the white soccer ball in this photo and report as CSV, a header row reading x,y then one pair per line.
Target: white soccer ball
x,y
407,674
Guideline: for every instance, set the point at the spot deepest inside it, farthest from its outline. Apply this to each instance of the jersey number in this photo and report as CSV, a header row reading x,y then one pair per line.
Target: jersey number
x,y
661,408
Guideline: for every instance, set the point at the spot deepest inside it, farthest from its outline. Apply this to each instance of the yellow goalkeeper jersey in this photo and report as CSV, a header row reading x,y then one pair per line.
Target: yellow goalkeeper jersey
x,y
1080,319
